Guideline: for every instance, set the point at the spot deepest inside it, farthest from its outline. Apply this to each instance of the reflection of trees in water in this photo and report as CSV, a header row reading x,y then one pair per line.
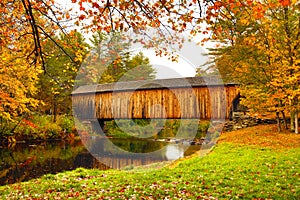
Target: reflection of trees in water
x,y
19,164
24,162
184,128
138,146
120,153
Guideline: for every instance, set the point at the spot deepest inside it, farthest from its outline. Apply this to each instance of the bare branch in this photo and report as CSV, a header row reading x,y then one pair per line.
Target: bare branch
x,y
58,45
36,36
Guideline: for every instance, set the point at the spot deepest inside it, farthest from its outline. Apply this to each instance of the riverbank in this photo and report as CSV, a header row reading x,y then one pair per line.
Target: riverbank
x,y
255,162
37,128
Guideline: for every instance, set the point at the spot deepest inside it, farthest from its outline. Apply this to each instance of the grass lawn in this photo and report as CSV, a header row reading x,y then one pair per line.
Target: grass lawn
x,y
253,163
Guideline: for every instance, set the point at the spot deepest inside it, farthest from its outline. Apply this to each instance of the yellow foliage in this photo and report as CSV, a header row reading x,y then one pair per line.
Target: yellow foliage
x,y
18,84
265,58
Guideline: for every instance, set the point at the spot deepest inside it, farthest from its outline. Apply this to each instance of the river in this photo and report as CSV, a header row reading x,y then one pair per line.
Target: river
x,y
26,161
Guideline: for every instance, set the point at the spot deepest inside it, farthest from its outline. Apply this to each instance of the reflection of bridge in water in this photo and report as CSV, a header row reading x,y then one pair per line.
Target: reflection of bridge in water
x,y
115,162
179,98
143,152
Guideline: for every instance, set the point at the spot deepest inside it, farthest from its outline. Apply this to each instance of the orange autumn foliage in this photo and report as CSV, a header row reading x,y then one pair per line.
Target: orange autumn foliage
x,y
260,51
263,136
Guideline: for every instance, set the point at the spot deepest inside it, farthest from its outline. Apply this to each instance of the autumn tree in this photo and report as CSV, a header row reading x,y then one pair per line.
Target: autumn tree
x,y
18,83
260,51
56,85
25,28
167,19
33,21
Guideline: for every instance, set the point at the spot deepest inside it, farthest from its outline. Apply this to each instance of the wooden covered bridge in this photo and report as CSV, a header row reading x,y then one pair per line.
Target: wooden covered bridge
x,y
179,98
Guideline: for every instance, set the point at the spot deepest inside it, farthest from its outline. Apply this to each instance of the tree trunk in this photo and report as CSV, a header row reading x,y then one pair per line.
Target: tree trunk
x,y
292,121
284,121
54,108
296,121
278,122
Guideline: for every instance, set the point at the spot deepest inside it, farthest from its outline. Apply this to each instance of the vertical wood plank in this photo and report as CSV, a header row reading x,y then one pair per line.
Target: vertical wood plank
x,y
199,102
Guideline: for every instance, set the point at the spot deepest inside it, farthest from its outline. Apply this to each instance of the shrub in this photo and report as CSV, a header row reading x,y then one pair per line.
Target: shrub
x,y
39,127
52,131
66,123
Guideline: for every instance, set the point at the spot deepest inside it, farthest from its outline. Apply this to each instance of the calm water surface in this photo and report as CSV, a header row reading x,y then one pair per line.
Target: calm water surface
x,y
27,161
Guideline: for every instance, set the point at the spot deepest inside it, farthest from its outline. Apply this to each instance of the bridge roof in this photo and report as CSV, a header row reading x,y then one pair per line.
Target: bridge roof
x,y
186,82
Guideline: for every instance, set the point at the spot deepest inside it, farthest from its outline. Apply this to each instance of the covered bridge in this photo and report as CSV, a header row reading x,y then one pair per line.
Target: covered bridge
x,y
178,98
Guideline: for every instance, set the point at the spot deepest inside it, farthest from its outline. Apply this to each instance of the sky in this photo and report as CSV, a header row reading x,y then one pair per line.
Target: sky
x,y
190,57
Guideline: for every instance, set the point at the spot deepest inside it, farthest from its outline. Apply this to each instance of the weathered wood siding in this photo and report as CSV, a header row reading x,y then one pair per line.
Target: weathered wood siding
x,y
213,102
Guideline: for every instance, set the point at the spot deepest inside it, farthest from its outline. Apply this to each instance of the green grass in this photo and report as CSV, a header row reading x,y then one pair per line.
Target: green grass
x,y
230,171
